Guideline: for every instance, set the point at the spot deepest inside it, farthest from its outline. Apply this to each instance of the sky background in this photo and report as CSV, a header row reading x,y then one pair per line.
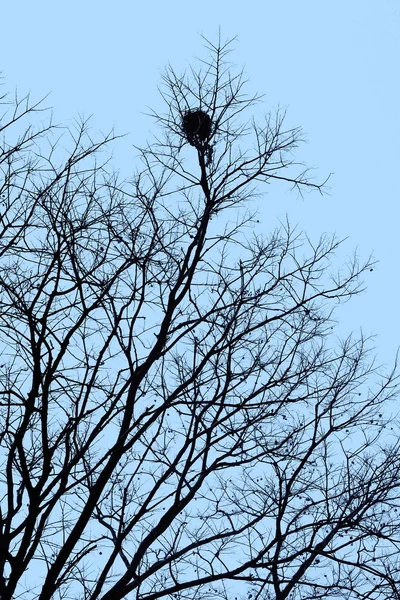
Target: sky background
x,y
333,64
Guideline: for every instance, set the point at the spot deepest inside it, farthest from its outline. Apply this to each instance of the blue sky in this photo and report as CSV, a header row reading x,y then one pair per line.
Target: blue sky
x,y
333,65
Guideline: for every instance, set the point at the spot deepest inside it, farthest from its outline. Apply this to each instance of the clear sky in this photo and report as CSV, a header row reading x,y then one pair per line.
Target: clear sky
x,y
333,64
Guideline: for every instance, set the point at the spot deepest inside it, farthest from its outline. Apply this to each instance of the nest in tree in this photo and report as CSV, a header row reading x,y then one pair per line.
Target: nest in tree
x,y
196,125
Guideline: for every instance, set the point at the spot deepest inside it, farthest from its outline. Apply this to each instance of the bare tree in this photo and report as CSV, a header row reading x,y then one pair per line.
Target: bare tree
x,y
176,418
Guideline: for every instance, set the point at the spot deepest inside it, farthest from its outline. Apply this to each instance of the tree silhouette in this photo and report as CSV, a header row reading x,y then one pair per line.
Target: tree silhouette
x,y
176,419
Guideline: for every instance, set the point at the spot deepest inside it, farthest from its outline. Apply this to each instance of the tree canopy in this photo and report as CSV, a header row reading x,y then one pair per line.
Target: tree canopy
x,y
176,418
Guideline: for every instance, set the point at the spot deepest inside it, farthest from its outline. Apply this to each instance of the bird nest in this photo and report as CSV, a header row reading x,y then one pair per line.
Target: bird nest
x,y
196,126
